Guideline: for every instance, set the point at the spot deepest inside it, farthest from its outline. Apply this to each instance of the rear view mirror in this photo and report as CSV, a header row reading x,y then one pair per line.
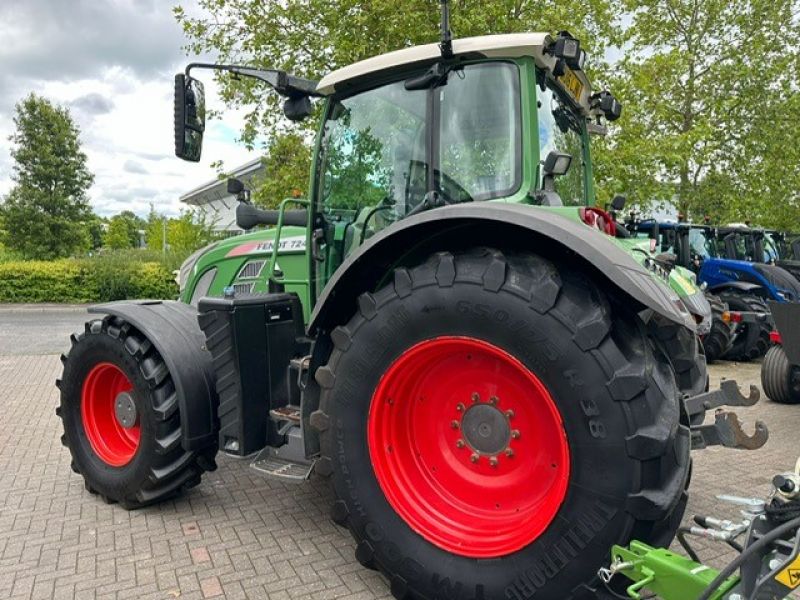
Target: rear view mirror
x,y
190,117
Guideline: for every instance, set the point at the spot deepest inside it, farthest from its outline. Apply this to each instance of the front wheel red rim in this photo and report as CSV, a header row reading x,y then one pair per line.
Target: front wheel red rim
x,y
468,447
113,443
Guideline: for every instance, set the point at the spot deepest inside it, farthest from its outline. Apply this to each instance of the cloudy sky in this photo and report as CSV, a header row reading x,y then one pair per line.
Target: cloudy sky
x,y
112,63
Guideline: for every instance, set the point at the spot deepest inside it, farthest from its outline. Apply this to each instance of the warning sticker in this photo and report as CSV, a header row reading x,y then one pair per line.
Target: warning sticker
x,y
790,576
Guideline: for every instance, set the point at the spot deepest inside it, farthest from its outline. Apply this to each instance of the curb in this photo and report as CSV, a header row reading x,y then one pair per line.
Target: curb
x,y
43,308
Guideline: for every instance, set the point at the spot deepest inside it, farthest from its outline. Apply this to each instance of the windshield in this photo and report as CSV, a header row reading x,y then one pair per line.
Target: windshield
x,y
377,148
560,130
772,247
479,140
700,245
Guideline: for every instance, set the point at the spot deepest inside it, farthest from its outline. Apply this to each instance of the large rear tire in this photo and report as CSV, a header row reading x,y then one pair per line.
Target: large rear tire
x,y
493,425
719,340
752,341
121,419
779,378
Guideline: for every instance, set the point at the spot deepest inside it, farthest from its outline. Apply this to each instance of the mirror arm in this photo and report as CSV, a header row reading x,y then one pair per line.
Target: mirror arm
x,y
280,81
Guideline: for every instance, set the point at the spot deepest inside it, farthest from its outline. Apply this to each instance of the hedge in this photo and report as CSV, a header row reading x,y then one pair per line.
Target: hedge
x,y
98,279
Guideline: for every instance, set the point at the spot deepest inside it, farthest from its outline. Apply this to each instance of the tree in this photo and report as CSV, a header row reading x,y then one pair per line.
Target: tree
x,y
705,85
185,234
46,214
287,166
123,230
312,37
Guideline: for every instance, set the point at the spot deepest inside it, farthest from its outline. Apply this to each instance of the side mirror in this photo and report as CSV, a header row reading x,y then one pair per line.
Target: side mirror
x,y
618,202
190,117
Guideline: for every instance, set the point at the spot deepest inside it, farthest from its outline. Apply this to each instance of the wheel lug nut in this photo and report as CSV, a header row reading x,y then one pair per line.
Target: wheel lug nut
x,y
474,458
510,414
460,407
454,424
493,462
509,452
476,397
493,400
515,434
460,443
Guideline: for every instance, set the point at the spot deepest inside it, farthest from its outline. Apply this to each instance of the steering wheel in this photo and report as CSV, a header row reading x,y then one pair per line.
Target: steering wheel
x,y
597,217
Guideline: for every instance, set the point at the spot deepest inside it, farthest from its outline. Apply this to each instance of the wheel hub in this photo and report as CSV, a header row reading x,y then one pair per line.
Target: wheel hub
x,y
109,416
468,446
125,410
486,429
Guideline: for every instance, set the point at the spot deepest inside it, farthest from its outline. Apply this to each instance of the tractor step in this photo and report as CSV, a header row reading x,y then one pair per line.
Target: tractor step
x,y
269,464
286,462
289,414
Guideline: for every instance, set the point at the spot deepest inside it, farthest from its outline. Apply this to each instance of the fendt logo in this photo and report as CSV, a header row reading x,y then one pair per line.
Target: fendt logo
x,y
291,244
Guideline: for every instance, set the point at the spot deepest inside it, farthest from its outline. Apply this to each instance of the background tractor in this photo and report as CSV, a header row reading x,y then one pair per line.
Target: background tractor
x,y
742,285
497,392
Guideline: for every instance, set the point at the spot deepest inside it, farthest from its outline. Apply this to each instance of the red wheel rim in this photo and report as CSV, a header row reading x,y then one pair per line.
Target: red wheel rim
x,y
114,444
445,460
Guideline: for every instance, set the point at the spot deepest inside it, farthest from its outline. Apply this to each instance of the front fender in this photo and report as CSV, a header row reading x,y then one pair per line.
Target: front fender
x,y
486,224
173,329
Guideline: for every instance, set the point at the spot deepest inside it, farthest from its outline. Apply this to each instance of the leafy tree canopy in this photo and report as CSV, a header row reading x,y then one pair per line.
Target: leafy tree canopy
x,y
123,231
46,214
185,233
711,97
710,87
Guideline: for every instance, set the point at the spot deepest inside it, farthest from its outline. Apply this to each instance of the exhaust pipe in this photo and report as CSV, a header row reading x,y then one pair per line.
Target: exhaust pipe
x,y
248,216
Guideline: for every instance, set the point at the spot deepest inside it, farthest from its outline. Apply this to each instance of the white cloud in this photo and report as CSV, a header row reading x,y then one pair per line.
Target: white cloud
x,y
118,84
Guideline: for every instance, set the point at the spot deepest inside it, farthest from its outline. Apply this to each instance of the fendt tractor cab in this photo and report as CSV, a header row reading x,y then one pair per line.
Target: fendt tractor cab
x,y
497,392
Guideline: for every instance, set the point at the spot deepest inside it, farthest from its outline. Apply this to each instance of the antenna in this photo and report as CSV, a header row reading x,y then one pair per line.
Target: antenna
x,y
446,44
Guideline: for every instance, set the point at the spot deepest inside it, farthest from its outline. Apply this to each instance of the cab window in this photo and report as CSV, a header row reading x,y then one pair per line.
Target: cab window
x,y
561,130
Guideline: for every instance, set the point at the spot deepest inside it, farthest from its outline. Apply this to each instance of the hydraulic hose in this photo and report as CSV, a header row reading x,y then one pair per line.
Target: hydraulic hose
x,y
752,549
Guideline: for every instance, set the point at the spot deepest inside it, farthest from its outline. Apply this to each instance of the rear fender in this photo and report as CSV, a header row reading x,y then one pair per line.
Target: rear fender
x,y
506,226
173,329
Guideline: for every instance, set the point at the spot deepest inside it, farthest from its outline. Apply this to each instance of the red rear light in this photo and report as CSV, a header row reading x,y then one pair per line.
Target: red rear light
x,y
735,317
775,337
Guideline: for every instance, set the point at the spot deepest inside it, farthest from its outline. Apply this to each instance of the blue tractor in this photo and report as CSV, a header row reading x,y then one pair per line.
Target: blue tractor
x,y
743,285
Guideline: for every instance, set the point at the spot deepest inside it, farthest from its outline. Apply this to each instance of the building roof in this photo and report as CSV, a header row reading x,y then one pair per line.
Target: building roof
x,y
217,189
507,45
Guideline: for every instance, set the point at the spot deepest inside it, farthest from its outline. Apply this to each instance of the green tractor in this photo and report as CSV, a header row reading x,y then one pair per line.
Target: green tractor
x,y
497,392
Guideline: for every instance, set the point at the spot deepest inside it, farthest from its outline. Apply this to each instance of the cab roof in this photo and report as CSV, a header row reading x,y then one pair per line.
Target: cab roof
x,y
511,45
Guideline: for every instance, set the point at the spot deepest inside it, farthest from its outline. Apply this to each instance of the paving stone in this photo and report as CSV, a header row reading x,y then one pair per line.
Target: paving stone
x,y
238,535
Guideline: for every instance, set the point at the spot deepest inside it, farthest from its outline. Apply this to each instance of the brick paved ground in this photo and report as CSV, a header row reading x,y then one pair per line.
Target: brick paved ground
x,y
237,534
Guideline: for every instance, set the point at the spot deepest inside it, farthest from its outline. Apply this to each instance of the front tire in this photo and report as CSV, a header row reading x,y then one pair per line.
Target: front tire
x,y
779,378
599,456
121,419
